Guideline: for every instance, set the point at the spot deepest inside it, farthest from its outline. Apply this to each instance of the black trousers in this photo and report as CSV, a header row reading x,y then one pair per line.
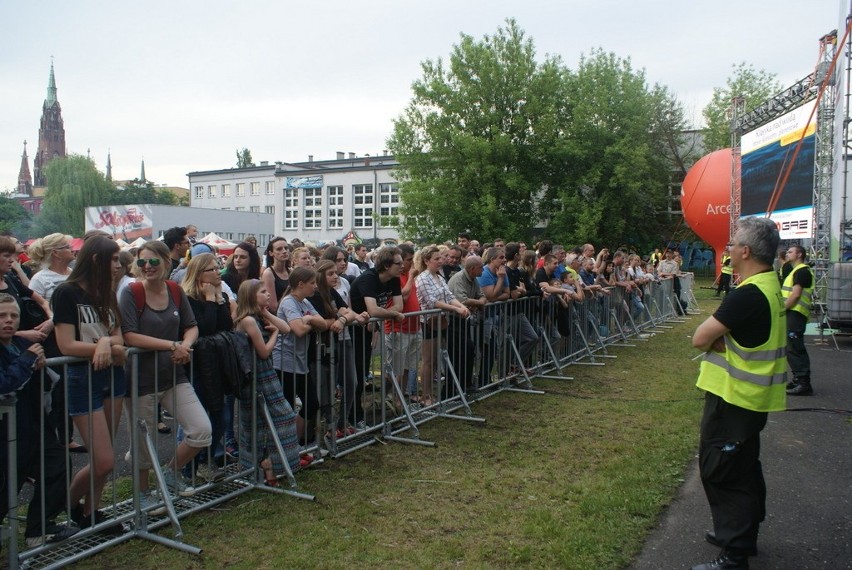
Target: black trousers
x,y
29,464
362,339
724,284
797,354
729,462
462,352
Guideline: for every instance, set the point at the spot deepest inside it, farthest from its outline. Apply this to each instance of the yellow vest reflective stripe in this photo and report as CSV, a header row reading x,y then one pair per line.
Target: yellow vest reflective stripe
x,y
806,300
752,378
727,269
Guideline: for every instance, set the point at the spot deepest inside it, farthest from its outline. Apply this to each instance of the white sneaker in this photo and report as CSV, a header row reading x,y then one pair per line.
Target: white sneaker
x,y
150,501
177,484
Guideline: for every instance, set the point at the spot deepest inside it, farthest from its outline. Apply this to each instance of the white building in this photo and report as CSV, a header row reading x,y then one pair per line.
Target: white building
x,y
313,201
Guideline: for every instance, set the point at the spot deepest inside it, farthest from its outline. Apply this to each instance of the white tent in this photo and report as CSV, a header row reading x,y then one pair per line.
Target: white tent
x,y
138,242
222,245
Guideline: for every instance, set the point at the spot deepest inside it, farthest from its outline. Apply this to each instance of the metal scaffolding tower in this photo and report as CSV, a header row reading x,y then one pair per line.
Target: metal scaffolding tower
x,y
736,112
824,165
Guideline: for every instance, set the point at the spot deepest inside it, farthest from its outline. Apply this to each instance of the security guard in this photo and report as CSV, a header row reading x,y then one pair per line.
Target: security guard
x,y
727,272
744,375
798,291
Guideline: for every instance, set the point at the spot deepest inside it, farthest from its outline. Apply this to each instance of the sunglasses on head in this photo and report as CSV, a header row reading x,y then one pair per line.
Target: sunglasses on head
x,y
153,262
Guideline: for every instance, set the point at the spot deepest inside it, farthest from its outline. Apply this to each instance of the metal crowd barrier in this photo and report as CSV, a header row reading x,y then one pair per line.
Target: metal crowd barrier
x,y
122,513
501,348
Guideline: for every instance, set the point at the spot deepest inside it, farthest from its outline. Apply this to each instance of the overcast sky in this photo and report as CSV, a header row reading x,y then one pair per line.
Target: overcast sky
x,y
183,84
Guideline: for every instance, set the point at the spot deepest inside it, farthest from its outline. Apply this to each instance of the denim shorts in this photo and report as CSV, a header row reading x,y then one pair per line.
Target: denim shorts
x,y
107,383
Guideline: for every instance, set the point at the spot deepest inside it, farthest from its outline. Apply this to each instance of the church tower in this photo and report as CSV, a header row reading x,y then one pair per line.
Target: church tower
x,y
25,180
51,132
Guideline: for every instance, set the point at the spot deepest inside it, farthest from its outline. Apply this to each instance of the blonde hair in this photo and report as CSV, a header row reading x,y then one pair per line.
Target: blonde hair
x,y
41,248
194,271
160,250
423,255
294,255
247,305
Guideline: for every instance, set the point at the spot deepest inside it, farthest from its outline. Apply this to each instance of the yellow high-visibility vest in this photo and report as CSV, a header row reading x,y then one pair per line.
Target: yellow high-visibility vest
x,y
727,269
806,301
752,378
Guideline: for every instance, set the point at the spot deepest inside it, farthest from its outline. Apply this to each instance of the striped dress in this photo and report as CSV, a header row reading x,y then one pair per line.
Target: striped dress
x,y
269,386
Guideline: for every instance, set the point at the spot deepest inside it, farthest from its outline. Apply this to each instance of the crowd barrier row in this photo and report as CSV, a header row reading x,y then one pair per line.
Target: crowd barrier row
x,y
361,387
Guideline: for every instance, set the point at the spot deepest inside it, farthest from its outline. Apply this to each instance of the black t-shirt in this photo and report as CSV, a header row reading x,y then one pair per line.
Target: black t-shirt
x,y
368,284
786,268
211,317
73,306
449,270
746,311
336,302
541,276
803,277
514,275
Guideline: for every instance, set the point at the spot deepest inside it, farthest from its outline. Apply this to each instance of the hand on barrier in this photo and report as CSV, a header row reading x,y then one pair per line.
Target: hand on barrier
x,y
38,350
362,318
102,358
119,355
181,354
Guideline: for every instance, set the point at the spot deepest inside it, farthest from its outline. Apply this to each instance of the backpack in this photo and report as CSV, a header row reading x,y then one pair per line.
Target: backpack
x,y
138,291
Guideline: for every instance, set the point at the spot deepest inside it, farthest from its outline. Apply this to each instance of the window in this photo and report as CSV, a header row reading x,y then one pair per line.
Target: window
x,y
226,190
239,209
255,188
388,200
241,189
199,191
270,188
254,209
335,207
362,198
241,236
291,208
313,207
211,191
270,209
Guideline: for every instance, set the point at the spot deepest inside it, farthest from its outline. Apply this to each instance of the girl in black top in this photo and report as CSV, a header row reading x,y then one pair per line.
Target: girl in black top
x,y
244,264
276,276
212,309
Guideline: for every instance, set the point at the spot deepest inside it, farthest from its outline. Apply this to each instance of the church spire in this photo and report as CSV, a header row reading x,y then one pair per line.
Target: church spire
x,y
25,180
51,88
142,174
109,167
51,133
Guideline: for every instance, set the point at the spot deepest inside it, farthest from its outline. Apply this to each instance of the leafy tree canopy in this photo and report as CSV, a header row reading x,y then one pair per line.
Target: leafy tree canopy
x,y
244,158
498,143
13,217
755,86
73,183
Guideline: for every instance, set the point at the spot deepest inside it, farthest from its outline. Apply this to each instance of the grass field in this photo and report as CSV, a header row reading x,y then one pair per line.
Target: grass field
x,y
570,479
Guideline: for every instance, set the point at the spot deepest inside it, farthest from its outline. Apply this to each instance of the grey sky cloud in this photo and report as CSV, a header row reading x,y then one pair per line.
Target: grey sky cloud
x,y
184,84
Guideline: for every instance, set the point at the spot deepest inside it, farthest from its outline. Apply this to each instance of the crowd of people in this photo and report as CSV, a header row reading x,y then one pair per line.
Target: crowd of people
x,y
186,307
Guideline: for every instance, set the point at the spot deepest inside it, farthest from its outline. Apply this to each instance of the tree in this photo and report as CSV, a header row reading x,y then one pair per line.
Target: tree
x,y
13,217
473,141
141,192
73,183
756,86
244,158
612,173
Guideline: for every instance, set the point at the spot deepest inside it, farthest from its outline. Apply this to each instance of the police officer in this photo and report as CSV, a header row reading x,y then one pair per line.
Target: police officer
x,y
798,290
744,375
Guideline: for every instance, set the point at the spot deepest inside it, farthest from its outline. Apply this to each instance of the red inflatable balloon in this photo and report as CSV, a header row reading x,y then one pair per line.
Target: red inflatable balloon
x,y
705,199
